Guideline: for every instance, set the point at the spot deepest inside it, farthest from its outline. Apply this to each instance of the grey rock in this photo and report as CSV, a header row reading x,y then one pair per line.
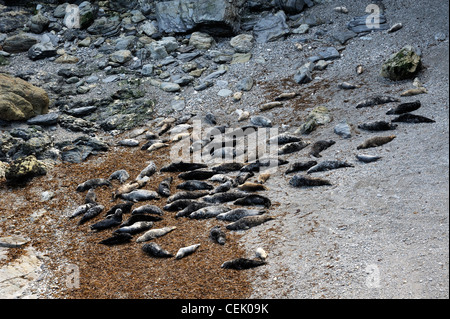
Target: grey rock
x,y
343,129
148,28
170,87
38,23
181,16
45,119
201,41
106,27
271,27
330,53
304,73
157,51
245,84
121,56
147,70
224,92
242,43
402,65
19,43
41,51
88,13
111,78
293,6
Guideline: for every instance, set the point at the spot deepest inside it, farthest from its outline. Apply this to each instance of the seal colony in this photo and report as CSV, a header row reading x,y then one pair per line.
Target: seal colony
x,y
230,193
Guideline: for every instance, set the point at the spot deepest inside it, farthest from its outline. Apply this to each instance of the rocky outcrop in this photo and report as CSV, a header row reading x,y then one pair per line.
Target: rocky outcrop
x,y
20,100
181,16
24,169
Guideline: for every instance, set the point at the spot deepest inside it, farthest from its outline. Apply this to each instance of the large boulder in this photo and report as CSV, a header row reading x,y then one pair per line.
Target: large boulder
x,y
211,16
21,42
402,65
20,100
271,27
24,169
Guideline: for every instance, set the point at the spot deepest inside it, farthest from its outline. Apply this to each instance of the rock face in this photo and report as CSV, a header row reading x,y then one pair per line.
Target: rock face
x,y
23,169
402,65
181,16
271,27
20,100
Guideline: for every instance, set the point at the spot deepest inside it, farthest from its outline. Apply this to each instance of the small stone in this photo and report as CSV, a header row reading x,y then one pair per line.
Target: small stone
x,y
67,59
395,27
245,84
341,10
41,51
302,29
242,43
147,70
201,41
85,42
343,129
178,104
170,87
121,56
237,96
225,92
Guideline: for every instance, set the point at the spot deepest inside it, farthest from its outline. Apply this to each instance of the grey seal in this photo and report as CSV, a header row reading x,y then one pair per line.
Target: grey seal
x,y
300,166
306,181
109,222
242,263
377,126
135,228
147,209
164,187
405,108
238,213
248,222
328,165
376,141
217,235
117,239
155,233
182,167
140,195
195,185
186,251
320,146
254,200
93,183
208,212
155,250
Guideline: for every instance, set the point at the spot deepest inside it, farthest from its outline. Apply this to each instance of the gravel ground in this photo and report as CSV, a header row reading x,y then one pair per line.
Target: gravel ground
x,y
380,231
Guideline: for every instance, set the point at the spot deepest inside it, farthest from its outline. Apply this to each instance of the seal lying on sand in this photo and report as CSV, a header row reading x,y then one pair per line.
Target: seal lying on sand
x,y
376,141
242,263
